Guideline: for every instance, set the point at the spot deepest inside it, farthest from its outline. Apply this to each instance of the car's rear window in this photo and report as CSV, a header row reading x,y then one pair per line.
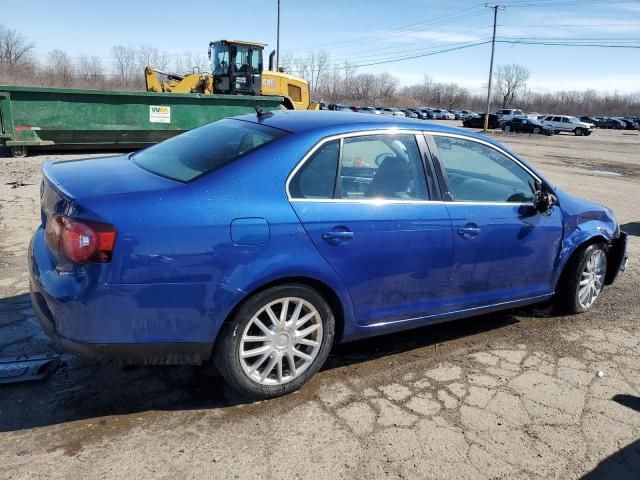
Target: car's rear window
x,y
205,149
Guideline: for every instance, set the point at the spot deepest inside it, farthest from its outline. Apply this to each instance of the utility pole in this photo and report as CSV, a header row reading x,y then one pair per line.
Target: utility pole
x,y
278,41
493,47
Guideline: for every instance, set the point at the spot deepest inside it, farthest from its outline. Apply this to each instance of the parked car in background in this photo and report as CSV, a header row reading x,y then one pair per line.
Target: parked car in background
x,y
294,257
410,113
422,114
478,122
592,120
606,122
371,110
439,114
507,114
565,123
339,107
393,112
526,125
629,123
464,114
456,114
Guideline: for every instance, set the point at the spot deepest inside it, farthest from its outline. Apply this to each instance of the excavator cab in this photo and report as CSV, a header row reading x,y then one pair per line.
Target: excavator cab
x,y
236,66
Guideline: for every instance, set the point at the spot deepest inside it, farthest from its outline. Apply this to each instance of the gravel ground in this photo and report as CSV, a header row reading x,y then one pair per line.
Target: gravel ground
x,y
508,395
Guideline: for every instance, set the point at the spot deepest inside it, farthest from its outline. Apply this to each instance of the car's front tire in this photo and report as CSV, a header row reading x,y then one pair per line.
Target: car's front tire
x,y
578,131
536,130
276,341
582,280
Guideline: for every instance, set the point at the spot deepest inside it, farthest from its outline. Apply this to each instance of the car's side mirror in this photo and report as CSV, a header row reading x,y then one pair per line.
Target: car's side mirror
x,y
543,201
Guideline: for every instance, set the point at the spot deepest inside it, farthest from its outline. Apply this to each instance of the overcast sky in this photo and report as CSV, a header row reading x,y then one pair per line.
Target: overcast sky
x,y
365,33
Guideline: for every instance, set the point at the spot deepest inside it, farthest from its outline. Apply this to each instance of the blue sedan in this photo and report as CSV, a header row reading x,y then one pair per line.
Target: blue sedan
x,y
260,241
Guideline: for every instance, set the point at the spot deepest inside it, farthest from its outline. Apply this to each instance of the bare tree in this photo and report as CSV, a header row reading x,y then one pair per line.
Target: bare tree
x,y
385,87
287,62
150,55
15,49
453,94
59,69
124,61
188,62
89,68
510,80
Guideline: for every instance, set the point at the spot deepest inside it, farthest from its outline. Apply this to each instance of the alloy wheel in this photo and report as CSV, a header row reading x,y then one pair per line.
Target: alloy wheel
x,y
592,279
281,341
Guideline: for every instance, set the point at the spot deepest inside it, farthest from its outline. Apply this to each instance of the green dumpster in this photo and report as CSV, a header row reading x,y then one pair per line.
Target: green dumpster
x,y
67,118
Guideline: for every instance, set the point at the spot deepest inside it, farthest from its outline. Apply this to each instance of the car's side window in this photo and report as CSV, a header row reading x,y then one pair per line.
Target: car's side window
x,y
382,166
566,120
556,119
478,173
317,177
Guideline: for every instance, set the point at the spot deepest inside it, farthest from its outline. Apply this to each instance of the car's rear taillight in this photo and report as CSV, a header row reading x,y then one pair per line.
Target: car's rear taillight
x,y
81,241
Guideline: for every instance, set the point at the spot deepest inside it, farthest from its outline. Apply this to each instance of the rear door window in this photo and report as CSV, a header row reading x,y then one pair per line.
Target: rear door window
x,y
205,149
317,177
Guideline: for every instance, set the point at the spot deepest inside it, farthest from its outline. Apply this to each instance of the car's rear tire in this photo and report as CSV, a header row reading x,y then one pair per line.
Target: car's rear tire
x,y
536,130
265,351
507,128
582,280
578,132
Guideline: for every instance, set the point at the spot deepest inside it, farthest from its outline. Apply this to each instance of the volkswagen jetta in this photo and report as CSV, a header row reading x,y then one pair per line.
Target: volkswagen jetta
x,y
260,241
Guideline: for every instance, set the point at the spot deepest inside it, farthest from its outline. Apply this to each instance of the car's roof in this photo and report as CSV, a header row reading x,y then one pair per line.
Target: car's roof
x,y
299,121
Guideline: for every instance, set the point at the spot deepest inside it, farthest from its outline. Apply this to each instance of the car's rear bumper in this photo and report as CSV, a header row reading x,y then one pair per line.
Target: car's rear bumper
x,y
165,353
161,323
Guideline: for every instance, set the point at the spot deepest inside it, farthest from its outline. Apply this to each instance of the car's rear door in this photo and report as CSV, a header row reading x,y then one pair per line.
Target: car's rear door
x,y
505,250
370,205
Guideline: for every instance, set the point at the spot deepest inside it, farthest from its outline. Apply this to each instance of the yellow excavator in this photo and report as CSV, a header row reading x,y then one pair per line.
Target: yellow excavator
x,y
236,69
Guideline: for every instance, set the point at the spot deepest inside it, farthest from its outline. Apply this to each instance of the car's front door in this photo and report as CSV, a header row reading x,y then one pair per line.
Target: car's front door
x,y
504,249
365,202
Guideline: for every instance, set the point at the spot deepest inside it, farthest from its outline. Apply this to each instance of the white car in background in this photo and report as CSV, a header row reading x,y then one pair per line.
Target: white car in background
x,y
442,114
464,114
394,112
565,123
507,114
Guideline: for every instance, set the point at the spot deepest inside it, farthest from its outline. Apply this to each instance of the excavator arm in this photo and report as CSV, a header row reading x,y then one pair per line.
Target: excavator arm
x,y
190,83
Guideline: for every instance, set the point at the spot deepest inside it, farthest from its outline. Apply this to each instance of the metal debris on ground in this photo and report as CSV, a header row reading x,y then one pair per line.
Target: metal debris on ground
x,y
27,368
18,183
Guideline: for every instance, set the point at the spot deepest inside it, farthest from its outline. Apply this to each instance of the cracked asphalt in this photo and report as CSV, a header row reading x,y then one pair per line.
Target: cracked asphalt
x,y
508,395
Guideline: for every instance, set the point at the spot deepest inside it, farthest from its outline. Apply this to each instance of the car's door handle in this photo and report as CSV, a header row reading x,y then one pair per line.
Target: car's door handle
x,y
337,236
470,230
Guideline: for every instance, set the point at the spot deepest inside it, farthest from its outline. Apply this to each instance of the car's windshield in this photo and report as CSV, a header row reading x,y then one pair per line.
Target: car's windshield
x,y
204,149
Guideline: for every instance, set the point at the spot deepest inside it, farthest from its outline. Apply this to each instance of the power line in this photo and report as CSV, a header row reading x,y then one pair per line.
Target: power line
x,y
356,40
399,59
567,44
566,3
395,48
565,25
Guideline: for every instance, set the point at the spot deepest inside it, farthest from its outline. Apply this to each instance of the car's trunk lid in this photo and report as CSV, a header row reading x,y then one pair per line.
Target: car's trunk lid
x,y
99,177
